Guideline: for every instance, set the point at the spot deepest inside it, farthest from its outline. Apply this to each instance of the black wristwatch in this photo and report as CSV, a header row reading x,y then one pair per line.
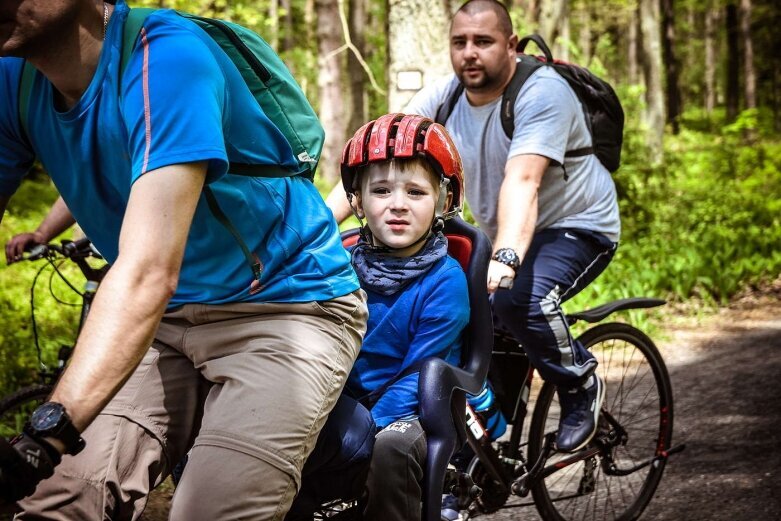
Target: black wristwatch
x,y
508,257
50,420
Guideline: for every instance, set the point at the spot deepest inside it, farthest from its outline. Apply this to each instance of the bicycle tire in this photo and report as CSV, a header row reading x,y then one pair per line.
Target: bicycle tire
x,y
16,408
638,394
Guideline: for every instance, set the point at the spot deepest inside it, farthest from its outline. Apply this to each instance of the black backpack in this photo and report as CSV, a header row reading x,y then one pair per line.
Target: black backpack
x,y
604,115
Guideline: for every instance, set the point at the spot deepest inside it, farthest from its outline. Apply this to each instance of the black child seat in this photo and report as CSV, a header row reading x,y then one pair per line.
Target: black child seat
x,y
442,387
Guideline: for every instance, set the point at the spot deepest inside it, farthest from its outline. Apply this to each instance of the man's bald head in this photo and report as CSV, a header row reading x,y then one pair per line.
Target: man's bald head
x,y
473,7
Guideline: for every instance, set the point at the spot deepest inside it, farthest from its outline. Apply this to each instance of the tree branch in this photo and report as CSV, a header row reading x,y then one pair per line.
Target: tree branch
x,y
349,45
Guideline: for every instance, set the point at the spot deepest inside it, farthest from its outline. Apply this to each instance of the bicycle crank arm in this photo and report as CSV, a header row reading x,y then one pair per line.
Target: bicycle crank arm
x,y
613,470
522,485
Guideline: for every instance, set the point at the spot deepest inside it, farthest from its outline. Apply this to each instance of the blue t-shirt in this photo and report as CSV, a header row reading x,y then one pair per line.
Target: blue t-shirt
x,y
423,320
180,100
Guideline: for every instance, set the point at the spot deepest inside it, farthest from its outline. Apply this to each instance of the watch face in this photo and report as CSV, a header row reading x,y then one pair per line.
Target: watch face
x,y
47,416
507,256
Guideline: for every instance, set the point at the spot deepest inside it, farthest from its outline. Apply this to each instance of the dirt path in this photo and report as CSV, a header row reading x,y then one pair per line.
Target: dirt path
x,y
725,372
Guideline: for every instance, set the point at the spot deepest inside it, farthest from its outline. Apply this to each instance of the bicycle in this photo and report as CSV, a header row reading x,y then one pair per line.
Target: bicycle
x,y
616,475
16,407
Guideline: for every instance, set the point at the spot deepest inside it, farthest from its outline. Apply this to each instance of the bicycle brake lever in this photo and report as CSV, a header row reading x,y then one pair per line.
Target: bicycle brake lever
x,y
38,251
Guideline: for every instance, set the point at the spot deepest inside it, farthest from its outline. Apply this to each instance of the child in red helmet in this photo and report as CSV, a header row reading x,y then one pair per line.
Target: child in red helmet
x,y
403,175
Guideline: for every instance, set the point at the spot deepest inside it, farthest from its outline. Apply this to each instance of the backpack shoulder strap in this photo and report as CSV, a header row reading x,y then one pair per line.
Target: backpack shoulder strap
x,y
524,68
133,24
456,88
25,90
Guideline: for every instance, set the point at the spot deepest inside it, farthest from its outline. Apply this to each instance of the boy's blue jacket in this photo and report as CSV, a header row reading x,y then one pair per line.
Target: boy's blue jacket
x,y
423,320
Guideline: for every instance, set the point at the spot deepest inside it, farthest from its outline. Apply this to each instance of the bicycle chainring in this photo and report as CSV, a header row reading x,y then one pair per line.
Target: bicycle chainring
x,y
492,497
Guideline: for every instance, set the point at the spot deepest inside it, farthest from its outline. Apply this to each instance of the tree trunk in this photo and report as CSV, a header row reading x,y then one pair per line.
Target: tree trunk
x,y
561,47
329,83
733,63
585,36
552,16
417,47
711,19
650,49
288,41
749,76
355,72
273,28
671,65
633,44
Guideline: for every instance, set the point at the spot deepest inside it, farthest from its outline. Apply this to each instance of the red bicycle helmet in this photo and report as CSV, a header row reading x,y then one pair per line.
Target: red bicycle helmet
x,y
403,136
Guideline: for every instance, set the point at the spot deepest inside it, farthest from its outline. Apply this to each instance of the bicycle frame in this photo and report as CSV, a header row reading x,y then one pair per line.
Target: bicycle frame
x,y
77,252
505,462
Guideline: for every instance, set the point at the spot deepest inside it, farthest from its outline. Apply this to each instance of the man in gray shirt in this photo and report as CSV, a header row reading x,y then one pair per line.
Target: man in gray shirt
x,y
553,220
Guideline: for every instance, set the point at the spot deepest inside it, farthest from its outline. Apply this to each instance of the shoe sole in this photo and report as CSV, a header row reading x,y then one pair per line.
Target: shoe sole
x,y
597,409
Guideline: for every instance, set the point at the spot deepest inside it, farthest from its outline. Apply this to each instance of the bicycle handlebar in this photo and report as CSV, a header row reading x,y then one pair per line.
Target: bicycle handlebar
x,y
76,251
69,249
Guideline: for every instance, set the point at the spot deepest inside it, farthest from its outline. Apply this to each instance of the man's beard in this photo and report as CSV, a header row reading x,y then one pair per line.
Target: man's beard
x,y
484,82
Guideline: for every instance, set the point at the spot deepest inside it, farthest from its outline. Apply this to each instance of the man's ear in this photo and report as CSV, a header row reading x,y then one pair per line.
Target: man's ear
x,y
512,43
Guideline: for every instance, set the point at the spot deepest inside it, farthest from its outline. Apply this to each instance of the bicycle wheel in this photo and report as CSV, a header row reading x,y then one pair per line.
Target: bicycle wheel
x,y
638,395
15,409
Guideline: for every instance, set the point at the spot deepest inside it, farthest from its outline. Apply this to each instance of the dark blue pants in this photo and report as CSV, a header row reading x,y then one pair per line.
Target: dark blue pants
x,y
558,264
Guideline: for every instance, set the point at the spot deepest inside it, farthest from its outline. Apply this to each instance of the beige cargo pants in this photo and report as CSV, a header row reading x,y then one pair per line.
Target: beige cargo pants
x,y
247,386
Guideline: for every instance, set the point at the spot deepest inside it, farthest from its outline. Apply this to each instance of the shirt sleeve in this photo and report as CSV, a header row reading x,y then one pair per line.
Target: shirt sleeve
x,y
16,156
545,111
444,315
174,101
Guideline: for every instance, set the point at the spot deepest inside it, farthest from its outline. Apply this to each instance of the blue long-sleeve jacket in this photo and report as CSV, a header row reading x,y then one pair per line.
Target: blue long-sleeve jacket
x,y
424,319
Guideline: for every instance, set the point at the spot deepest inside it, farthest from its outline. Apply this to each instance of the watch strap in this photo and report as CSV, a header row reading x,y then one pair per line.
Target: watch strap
x,y
65,432
508,257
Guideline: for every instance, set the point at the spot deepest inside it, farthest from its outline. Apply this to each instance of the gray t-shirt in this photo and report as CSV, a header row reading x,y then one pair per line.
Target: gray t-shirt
x,y
549,121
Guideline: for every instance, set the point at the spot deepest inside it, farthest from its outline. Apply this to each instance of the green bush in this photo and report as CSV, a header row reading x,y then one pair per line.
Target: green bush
x,y
704,224
56,322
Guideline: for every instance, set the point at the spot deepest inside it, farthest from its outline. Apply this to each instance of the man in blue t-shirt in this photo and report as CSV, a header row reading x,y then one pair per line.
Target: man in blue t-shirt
x,y
242,371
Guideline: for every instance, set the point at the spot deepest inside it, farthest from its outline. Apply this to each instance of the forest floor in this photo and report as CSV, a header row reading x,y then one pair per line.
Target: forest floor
x,y
725,369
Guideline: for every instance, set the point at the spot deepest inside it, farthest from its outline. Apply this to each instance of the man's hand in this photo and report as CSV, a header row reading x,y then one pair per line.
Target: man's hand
x,y
24,462
496,272
21,243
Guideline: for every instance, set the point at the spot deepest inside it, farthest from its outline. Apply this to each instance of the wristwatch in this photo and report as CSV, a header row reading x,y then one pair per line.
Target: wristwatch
x,y
508,257
50,420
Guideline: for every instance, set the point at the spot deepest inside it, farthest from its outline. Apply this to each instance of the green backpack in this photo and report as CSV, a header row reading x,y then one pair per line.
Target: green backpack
x,y
269,80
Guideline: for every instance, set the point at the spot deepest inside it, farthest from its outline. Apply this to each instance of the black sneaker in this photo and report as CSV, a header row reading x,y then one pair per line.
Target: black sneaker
x,y
579,414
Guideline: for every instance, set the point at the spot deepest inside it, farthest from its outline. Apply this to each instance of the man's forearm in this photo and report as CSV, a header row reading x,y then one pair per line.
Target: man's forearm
x,y
517,216
56,221
117,334
518,199
338,203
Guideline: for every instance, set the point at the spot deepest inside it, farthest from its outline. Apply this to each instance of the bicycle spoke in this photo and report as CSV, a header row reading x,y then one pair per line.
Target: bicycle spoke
x,y
636,389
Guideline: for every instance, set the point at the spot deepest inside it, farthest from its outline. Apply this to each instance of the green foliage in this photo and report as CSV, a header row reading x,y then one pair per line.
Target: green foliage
x,y
705,224
56,322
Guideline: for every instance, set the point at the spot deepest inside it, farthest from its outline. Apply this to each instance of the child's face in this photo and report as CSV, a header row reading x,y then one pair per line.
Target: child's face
x,y
398,202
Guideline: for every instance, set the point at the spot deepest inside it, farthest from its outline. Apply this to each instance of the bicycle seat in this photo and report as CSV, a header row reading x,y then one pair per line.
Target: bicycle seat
x,y
599,313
